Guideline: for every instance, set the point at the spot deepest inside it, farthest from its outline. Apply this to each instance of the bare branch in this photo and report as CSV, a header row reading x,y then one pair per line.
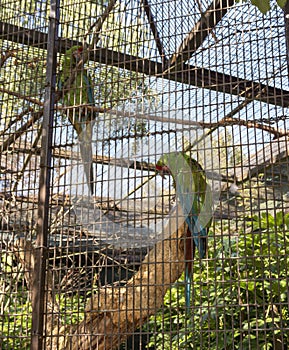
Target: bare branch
x,y
16,119
226,121
12,138
96,27
27,158
4,57
22,97
214,13
154,30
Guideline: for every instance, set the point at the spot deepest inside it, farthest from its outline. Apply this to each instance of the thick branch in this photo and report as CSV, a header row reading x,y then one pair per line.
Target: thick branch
x,y
154,30
117,311
11,139
214,13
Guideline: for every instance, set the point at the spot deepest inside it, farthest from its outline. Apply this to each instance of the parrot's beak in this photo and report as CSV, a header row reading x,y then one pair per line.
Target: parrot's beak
x,y
163,170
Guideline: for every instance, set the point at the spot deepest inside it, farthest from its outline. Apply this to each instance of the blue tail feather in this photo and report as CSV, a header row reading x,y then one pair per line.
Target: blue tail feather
x,y
188,285
199,241
200,237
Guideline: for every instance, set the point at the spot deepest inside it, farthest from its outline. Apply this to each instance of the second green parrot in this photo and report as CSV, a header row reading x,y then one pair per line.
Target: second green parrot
x,y
78,94
194,195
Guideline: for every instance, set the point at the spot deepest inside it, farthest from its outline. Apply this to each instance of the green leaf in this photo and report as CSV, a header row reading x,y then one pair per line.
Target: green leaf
x,y
279,218
248,285
263,5
286,220
281,3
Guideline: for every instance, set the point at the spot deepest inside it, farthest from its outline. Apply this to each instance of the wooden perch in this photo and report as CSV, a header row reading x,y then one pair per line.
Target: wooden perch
x,y
226,121
115,312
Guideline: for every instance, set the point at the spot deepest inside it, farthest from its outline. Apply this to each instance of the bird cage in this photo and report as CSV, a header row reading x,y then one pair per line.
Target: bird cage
x,y
144,191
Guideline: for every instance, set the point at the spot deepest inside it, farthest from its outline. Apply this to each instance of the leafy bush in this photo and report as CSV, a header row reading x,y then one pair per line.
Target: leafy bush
x,y
265,5
15,305
240,294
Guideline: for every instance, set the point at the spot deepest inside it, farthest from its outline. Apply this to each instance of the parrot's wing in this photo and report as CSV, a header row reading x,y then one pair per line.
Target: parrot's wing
x,y
89,89
82,122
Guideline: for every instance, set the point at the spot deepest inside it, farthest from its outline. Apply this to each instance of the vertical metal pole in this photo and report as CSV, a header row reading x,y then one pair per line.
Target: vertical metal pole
x,y
286,12
39,271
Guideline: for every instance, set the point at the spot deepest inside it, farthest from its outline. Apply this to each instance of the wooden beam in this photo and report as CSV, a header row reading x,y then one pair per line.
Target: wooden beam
x,y
191,75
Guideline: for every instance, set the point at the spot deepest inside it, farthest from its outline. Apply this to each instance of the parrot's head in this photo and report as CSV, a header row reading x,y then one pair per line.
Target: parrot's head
x,y
162,166
73,55
174,163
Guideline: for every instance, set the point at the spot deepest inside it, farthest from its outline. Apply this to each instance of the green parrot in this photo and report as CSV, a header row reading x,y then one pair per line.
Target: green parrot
x,y
80,93
195,198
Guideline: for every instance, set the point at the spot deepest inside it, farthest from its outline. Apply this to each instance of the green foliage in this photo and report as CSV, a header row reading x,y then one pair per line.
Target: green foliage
x,y
15,306
23,76
240,295
71,308
265,5
17,324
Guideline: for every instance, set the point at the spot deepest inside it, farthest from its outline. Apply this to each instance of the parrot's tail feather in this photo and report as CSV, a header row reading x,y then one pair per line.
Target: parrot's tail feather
x,y
189,256
188,286
85,143
201,241
200,238
203,247
86,156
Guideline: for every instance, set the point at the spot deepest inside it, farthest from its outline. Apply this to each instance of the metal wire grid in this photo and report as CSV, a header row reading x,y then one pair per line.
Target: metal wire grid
x,y
148,95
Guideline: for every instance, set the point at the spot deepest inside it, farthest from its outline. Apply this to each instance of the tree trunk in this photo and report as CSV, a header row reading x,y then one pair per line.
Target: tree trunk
x,y
115,312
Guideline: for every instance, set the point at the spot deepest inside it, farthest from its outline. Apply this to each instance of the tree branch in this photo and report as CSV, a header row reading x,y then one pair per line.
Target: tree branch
x,y
154,30
114,312
4,57
13,137
226,121
16,119
22,97
214,13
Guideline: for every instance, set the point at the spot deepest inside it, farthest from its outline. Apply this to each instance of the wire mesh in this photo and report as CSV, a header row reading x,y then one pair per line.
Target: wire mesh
x,y
164,221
